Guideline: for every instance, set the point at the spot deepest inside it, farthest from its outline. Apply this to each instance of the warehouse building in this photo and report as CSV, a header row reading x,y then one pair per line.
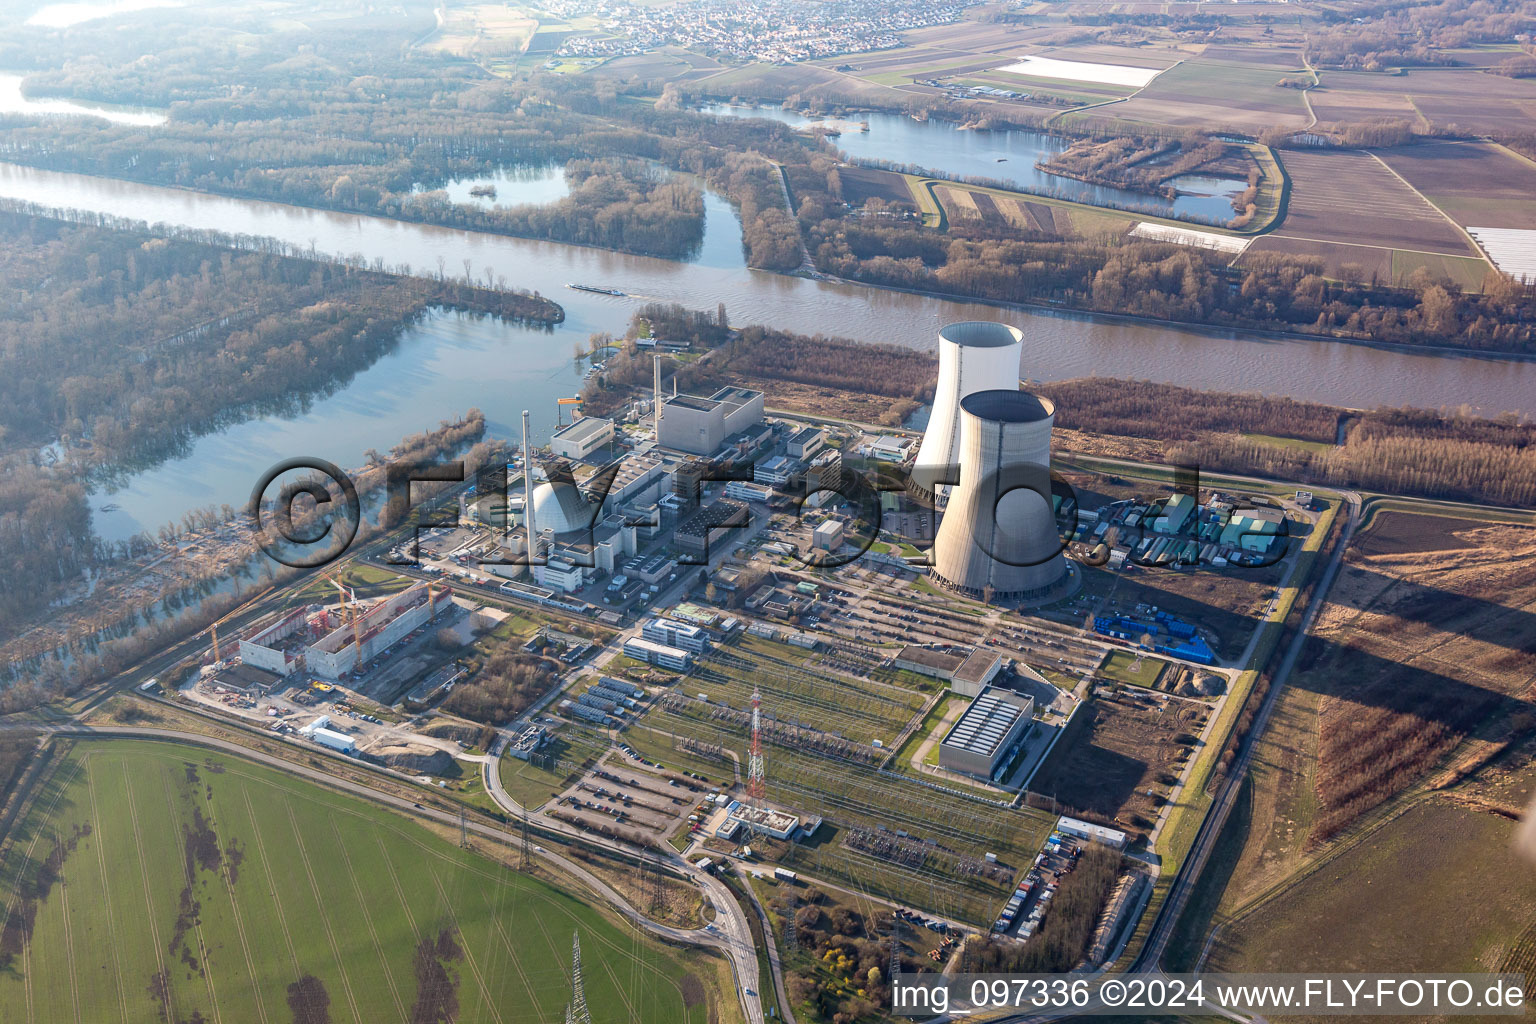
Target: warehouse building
x,y
987,733
698,425
709,526
581,438
1110,837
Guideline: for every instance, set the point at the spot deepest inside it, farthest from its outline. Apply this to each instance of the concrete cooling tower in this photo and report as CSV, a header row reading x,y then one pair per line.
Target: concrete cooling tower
x,y
977,355
998,537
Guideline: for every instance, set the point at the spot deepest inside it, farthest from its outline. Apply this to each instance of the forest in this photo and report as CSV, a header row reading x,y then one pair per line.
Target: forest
x,y
1382,35
502,687
121,347
1062,941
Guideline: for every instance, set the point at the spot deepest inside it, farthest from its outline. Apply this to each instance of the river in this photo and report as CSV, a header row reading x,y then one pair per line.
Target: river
x,y
1056,345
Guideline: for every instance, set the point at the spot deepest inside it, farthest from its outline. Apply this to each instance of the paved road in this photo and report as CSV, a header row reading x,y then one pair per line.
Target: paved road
x,y
1149,960
731,935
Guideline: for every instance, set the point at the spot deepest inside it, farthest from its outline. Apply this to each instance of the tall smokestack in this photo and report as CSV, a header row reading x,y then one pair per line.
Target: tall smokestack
x,y
656,393
528,522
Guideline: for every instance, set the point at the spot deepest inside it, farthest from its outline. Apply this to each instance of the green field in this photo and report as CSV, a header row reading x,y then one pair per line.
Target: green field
x,y
1125,667
156,881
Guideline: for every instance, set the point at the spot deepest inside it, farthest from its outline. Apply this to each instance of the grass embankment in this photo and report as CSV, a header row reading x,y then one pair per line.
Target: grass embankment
x,y
1184,820
203,884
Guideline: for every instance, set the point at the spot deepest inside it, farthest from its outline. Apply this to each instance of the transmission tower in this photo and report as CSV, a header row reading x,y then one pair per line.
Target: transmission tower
x,y
895,947
755,774
578,1014
791,934
463,830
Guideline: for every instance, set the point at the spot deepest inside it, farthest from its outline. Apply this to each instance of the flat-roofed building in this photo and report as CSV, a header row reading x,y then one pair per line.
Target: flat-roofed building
x,y
987,733
581,438
775,472
653,653
709,526
805,442
682,635
828,536
975,672
745,490
639,479
690,423
892,448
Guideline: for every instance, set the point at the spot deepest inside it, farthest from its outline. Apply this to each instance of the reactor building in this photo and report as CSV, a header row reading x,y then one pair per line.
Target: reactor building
x,y
998,538
976,355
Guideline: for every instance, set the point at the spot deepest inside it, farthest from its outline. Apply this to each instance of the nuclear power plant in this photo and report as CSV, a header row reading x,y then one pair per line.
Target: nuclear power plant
x,y
997,539
977,355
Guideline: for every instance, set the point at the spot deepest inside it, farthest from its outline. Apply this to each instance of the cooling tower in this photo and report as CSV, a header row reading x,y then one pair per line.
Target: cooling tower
x,y
998,537
977,355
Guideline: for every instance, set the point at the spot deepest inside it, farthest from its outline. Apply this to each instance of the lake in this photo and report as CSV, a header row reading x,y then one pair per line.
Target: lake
x,y
1008,157
12,101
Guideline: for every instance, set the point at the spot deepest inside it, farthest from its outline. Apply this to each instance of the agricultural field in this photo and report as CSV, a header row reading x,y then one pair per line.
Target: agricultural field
x,y
1423,648
1466,100
152,880
1206,94
861,184
1129,743
962,203
1438,888
1363,222
1295,799
1477,184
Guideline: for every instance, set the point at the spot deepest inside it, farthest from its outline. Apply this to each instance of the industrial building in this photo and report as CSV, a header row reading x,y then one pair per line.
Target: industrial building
x,y
777,824
698,425
334,641
527,742
279,647
709,526
986,734
967,669
805,442
1110,837
828,535
891,448
998,536
640,479
661,655
320,731
560,508
975,355
582,437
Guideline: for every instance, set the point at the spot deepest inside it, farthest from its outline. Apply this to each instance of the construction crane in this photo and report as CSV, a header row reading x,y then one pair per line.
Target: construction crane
x,y
213,630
